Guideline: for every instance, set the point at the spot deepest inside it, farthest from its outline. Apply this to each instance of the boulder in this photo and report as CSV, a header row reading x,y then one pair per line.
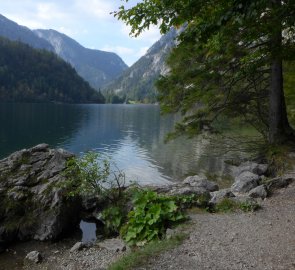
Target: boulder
x,y
34,256
218,196
258,192
279,182
248,166
201,182
245,182
32,202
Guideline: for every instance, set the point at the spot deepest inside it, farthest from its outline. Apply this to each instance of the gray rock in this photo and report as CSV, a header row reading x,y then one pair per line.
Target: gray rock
x,y
114,244
170,233
218,196
78,246
201,182
248,166
245,182
187,190
258,192
26,182
40,147
279,182
34,256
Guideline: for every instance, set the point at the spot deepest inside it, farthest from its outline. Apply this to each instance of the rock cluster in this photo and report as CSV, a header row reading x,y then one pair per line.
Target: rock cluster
x,y
32,206
250,183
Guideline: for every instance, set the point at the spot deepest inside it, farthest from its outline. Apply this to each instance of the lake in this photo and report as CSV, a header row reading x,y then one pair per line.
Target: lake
x,y
131,135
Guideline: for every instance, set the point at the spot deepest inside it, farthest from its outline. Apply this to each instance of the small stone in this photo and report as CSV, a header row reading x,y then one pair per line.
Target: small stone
x,y
78,246
218,196
114,244
258,192
34,256
201,182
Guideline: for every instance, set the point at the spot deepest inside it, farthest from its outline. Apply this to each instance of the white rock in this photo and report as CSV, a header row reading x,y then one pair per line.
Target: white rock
x,y
34,256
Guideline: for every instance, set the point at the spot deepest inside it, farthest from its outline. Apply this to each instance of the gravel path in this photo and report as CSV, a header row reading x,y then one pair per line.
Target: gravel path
x,y
262,240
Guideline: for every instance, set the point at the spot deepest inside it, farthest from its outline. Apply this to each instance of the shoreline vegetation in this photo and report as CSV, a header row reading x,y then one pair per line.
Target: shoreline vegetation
x,y
139,216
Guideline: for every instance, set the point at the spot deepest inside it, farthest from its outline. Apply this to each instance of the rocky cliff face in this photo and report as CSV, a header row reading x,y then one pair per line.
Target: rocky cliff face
x,y
137,82
31,204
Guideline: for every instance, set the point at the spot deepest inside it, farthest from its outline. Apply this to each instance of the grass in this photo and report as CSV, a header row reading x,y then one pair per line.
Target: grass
x,y
228,205
141,256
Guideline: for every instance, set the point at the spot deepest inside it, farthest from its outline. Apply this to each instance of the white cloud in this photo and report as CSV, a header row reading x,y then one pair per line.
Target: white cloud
x,y
118,49
99,9
152,35
30,23
87,21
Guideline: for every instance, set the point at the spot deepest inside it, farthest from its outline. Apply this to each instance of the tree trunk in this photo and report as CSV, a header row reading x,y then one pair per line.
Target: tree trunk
x,y
279,127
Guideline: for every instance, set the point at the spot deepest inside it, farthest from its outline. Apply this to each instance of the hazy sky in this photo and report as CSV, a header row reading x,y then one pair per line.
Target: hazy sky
x,y
86,21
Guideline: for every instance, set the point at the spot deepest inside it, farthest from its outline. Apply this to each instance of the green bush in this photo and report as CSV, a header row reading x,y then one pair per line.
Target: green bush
x,y
91,175
113,218
151,215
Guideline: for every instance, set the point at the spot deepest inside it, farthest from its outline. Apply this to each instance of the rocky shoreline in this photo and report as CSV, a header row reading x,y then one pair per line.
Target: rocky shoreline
x,y
34,207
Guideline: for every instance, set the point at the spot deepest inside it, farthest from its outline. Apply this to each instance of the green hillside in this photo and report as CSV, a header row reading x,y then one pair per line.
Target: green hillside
x,y
31,75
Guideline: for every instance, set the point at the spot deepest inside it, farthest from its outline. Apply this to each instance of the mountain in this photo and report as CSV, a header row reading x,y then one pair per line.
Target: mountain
x,y
137,82
95,66
34,75
13,31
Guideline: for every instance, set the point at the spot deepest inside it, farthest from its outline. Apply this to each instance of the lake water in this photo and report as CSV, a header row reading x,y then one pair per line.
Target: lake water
x,y
131,135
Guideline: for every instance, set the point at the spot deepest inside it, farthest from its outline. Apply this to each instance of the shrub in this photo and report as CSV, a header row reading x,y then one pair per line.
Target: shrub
x,y
91,175
151,215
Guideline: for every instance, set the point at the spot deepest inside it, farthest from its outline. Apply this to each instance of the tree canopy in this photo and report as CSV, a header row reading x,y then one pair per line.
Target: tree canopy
x,y
229,60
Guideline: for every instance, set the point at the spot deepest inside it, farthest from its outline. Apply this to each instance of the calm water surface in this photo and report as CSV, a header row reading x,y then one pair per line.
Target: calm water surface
x,y
131,135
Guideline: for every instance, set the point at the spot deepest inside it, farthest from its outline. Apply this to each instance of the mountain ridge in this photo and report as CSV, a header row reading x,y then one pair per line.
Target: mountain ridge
x,y
137,82
95,66
34,75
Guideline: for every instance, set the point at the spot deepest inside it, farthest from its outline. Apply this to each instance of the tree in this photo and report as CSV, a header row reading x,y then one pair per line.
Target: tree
x,y
228,61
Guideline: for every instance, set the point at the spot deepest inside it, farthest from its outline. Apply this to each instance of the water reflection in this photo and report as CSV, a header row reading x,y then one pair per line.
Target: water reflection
x,y
132,135
88,231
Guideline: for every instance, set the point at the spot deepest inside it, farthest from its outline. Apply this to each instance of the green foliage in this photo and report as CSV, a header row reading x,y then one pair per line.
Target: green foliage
x,y
248,206
91,175
31,75
229,205
113,218
188,201
151,215
141,256
222,64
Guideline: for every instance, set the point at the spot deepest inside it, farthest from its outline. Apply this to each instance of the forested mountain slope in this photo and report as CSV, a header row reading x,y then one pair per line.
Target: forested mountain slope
x,y
137,82
95,66
32,75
